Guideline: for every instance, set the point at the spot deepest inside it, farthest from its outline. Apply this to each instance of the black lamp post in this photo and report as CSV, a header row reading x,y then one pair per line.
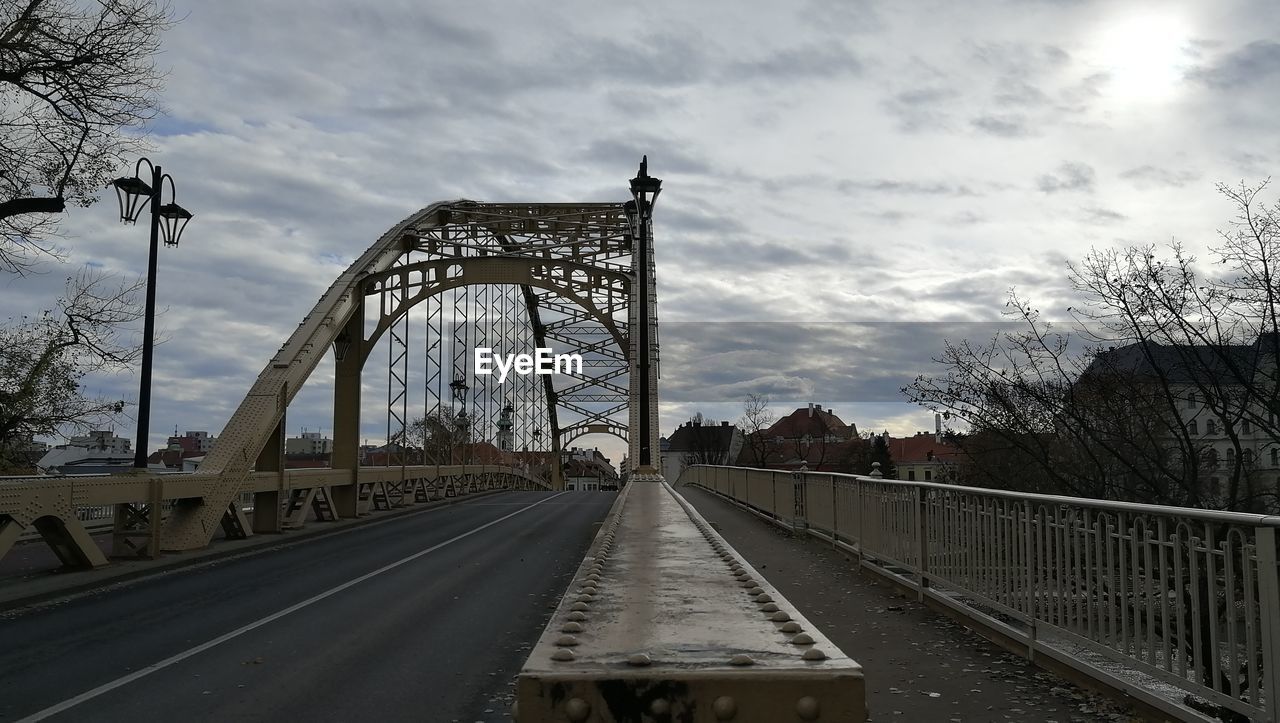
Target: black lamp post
x,y
459,388
168,221
639,210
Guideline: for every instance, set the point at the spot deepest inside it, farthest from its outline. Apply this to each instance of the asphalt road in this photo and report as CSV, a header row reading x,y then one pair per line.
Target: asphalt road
x,y
424,617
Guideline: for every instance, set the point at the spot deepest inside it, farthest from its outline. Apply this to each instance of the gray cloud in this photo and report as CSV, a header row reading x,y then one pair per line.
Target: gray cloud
x,y
1254,63
920,109
810,61
1100,216
908,188
1005,126
1148,176
1069,176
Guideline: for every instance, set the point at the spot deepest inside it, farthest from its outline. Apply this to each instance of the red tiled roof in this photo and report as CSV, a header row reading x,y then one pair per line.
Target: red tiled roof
x,y
920,447
813,422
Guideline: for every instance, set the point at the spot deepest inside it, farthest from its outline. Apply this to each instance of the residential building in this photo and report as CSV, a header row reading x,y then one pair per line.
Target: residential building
x,y
809,438
588,469
99,452
200,442
925,457
1193,415
308,443
699,441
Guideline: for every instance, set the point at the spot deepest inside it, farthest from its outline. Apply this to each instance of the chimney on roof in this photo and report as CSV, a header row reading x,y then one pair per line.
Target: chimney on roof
x,y
724,424
818,407
810,409
937,428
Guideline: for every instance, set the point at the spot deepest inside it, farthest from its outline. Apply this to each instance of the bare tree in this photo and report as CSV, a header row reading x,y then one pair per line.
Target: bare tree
x,y
43,360
75,79
756,418
1170,400
437,434
707,444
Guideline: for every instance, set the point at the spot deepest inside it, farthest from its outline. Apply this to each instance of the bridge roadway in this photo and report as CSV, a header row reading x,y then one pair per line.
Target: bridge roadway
x,y
425,616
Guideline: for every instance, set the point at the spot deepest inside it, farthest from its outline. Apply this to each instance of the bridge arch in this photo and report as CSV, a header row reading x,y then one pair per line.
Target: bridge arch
x,y
574,431
573,251
419,281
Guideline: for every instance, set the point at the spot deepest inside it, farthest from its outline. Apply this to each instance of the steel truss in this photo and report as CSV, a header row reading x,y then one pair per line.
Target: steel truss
x,y
512,276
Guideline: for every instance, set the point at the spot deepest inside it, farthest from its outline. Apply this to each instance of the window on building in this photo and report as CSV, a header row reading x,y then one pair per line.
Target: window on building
x,y
1248,457
1211,426
1191,400
1193,427
1231,454
1275,457
1247,427
928,475
911,475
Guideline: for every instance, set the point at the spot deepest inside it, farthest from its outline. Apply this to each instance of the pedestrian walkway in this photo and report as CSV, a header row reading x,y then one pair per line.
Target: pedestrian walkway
x,y
920,665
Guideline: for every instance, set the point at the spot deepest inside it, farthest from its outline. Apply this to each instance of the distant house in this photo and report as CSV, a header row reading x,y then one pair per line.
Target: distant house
x,y
175,459
99,452
588,469
925,457
697,442
812,438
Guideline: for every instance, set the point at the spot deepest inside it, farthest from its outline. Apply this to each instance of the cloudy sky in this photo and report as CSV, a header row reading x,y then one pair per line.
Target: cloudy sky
x,y
824,163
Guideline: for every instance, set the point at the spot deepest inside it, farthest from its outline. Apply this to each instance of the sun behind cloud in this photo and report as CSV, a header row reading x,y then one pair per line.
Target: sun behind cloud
x,y
1143,55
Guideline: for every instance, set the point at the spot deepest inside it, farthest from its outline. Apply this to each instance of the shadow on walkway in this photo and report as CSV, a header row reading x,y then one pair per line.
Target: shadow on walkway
x,y
920,665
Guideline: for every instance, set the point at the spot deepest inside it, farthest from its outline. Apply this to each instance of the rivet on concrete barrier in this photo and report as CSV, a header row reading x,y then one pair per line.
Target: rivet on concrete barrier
x,y
791,627
725,708
639,660
741,659
571,627
562,655
580,606
578,616
802,639
780,617
807,708
769,608
764,597
814,654
566,641
577,709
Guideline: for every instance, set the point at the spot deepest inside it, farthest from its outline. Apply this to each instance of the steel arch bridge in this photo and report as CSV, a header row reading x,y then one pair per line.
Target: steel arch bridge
x,y
576,278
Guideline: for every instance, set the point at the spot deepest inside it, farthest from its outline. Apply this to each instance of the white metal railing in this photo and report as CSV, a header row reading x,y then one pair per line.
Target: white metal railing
x,y
1189,597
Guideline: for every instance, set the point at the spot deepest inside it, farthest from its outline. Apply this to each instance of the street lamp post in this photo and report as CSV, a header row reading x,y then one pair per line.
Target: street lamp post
x,y
639,211
168,221
459,388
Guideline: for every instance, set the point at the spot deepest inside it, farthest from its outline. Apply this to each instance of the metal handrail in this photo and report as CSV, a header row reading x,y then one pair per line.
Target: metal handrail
x,y
1243,518
1186,596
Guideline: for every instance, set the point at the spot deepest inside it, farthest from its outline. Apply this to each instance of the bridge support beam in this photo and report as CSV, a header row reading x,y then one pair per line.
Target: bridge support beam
x,y
665,622
346,413
266,505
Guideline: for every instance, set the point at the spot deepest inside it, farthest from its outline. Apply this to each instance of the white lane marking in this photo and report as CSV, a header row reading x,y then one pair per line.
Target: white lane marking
x,y
142,673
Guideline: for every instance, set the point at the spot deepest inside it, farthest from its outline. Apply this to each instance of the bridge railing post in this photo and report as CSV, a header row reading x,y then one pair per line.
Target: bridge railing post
x,y
1269,605
922,540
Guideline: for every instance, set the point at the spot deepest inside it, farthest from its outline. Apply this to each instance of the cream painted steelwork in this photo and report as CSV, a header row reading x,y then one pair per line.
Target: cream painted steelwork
x,y
565,271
